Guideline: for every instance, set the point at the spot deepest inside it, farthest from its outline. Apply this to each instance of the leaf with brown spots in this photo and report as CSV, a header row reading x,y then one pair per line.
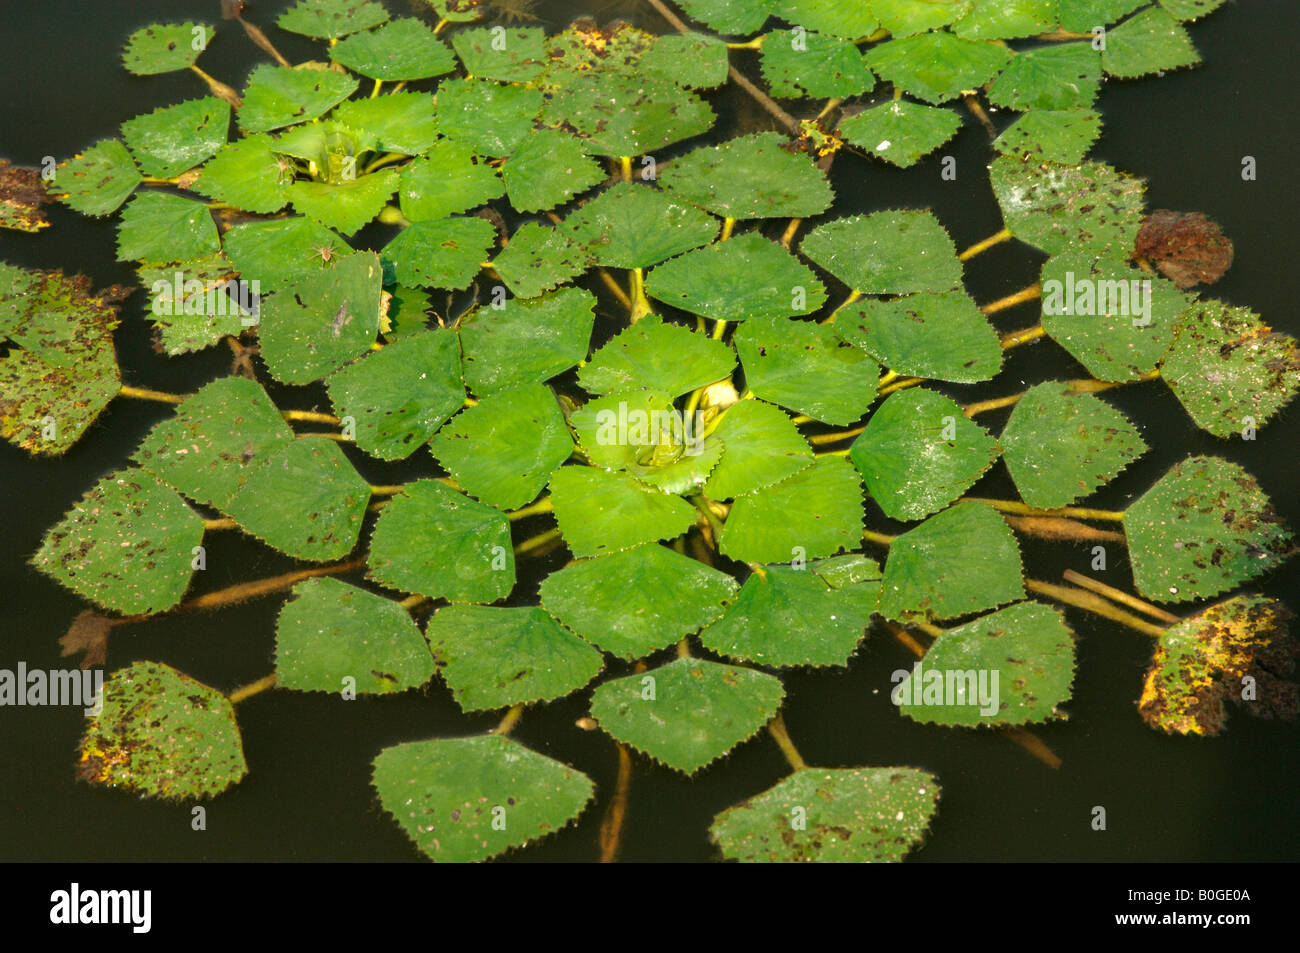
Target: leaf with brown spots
x,y
1188,248
21,196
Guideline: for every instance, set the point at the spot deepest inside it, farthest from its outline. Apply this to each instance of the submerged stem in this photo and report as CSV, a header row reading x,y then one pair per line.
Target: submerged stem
x,y
254,688
1091,602
776,728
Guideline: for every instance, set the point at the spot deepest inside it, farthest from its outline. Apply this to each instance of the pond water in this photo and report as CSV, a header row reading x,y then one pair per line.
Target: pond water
x,y
308,797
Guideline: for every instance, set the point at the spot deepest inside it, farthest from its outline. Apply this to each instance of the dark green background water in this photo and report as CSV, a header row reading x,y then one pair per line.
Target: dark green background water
x,y
307,796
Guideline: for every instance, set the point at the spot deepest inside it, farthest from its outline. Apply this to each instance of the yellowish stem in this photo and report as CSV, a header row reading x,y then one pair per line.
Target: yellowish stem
x,y
261,685
143,393
1011,300
776,728
1120,596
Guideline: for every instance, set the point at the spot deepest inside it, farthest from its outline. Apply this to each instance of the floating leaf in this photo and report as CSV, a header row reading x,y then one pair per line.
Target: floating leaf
x,y
504,450
508,54
157,226
930,572
332,637
345,206
1010,667
906,17
448,794
539,258
917,425
891,252
445,253
1086,15
901,132
937,67
162,734
304,499
729,16
621,115
636,602
400,50
441,544
1007,19
849,20
1059,445
750,177
246,174
491,118
1059,76
172,139
492,657
331,19
655,354
399,122
549,168
216,437
798,64
22,193
1190,9
853,815
601,512
447,179
194,304
322,321
696,60
804,366
817,512
1230,370
1089,208
1054,135
399,396
165,47
277,96
787,616
719,281
1203,528
1187,247
688,713
635,226
937,336
98,180
526,341
1151,42
1203,662
763,447
282,251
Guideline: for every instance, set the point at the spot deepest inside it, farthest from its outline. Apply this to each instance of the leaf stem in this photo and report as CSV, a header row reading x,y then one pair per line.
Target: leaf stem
x,y
728,225
310,416
218,88
996,239
776,728
144,393
715,524
538,541
544,505
790,231
507,724
254,688
1011,300
1120,596
1091,602
223,523
611,826
1024,509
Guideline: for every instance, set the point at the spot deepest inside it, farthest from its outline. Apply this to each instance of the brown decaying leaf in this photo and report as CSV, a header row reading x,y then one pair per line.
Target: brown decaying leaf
x,y
88,633
1188,247
22,193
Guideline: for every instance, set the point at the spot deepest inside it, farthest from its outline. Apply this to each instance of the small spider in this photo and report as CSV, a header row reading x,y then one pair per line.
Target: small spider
x,y
286,169
324,252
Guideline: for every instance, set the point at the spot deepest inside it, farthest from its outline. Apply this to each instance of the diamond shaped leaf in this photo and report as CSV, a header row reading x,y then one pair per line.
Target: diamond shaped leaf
x,y
601,512
245,174
526,341
750,177
688,713
172,139
399,122
165,47
277,96
447,179
156,226
937,67
798,64
901,132
345,206
402,49
281,251
635,226
848,20
539,258
194,304
906,17
549,168
1086,15
331,19
817,512
446,253
622,115
1007,19
763,447
729,16
891,252
98,180
936,336
1151,42
636,602
1059,76
1056,135
508,54
1190,9
654,354
491,118
696,60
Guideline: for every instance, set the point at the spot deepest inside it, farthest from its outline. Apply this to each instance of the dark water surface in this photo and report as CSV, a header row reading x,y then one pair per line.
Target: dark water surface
x,y
307,796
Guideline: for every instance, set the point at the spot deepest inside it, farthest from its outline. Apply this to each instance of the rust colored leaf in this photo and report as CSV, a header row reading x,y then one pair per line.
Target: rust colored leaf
x,y
1188,247
88,633
21,196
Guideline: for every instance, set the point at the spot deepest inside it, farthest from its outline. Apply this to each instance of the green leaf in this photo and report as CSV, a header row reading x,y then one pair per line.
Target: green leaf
x,y
1083,16
937,67
526,341
1058,76
406,313
600,512
194,304
853,815
718,281
504,450
330,632
763,447
1116,320
798,64
1204,528
729,16
457,11
441,544
658,355
277,96
750,177
165,47
627,115
1063,136
787,616
817,512
468,799
126,546
1202,662
804,366
98,180
492,657
172,139
445,253
696,60
635,226
1060,445
907,17
688,713
1085,208
331,19
157,226
447,179
1018,662
508,54
246,174
931,572
890,252
919,453
586,47
400,50
636,602
1007,19
345,206
901,132
162,734
216,437
937,336
400,396
848,20
282,251
1190,9
549,168
1150,42
304,499
322,321
539,258
404,123
1229,369
491,118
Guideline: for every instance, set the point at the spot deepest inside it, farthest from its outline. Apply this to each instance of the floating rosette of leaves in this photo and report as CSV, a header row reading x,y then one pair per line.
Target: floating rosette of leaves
x,y
709,407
